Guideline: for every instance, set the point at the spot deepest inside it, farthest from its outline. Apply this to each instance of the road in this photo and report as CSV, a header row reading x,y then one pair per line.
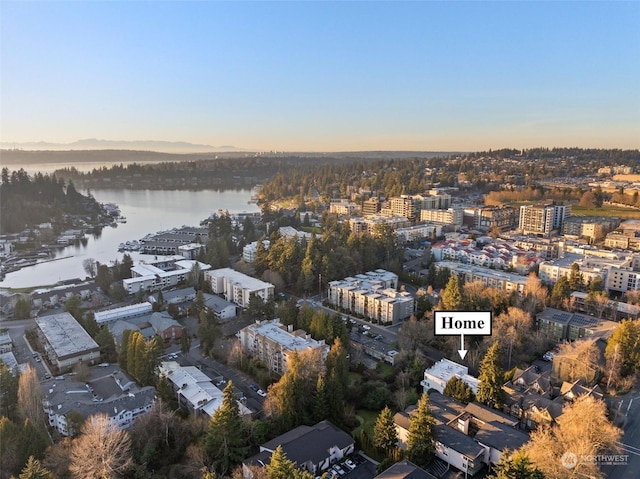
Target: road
x,y
628,467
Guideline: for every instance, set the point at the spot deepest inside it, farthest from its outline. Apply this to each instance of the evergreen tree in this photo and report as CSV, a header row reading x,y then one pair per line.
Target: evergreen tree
x,y
515,466
34,470
420,447
385,437
458,389
491,378
321,401
281,467
8,392
625,342
226,441
561,290
452,296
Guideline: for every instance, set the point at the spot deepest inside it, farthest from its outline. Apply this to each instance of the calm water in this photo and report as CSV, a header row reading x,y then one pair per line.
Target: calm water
x,y
147,211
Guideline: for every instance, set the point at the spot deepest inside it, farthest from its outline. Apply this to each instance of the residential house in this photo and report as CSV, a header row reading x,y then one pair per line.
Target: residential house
x,y
312,448
221,308
166,327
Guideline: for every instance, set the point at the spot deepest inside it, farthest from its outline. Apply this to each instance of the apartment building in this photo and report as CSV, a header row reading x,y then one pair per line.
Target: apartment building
x,y
373,296
542,219
65,341
370,224
491,278
344,207
149,277
238,287
450,216
273,343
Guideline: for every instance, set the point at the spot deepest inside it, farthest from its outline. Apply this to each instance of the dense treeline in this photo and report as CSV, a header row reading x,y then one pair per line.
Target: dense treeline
x,y
307,266
26,200
485,171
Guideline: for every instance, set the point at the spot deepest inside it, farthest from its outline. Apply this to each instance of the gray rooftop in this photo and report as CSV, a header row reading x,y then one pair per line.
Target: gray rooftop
x,y
65,335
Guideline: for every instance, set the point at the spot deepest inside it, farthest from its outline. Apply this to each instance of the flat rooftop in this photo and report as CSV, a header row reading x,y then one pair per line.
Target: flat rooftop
x,y
65,335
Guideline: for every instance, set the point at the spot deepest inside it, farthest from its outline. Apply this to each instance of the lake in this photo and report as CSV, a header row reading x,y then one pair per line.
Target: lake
x,y
147,211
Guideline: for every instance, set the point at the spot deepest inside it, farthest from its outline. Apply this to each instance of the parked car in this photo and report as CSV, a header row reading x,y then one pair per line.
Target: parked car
x,y
548,356
350,464
254,388
261,393
339,470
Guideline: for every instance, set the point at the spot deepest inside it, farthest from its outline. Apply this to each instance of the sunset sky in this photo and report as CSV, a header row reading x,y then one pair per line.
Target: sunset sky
x,y
323,76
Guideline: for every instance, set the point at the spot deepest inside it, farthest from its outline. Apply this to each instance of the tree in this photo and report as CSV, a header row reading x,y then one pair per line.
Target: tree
x,y
452,297
561,290
103,277
458,389
281,467
577,360
576,279
420,447
515,466
101,451
491,378
30,397
226,441
90,267
185,342
8,392
588,200
34,470
584,431
626,341
73,306
22,309
385,437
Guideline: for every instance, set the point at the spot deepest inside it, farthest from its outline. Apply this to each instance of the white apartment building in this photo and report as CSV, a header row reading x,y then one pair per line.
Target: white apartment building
x,y
149,277
370,223
542,219
238,287
451,216
273,342
344,207
250,251
437,376
419,232
372,295
194,389
491,278
110,316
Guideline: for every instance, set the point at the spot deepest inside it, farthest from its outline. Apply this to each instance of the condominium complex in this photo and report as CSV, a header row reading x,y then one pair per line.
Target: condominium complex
x,y
65,341
542,219
273,343
238,287
373,296
450,216
491,278
370,224
147,276
344,207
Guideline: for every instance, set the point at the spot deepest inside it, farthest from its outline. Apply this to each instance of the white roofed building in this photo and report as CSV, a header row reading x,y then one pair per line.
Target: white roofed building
x,y
438,375
238,287
66,342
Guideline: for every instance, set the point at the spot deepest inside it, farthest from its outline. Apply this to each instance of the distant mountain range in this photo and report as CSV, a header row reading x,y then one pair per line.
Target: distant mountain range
x,y
139,145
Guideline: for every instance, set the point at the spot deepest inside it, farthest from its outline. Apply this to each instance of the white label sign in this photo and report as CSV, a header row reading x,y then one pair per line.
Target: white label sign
x,y
474,323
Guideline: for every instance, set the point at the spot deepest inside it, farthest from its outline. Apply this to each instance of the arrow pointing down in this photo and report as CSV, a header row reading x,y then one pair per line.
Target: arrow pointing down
x,y
462,352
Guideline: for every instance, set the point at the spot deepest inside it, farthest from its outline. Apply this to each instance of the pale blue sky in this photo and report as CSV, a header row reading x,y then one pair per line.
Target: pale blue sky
x,y
323,76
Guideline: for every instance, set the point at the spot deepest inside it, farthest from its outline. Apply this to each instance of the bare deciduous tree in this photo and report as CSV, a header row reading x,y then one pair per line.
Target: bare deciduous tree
x,y
583,431
90,267
30,397
102,450
577,360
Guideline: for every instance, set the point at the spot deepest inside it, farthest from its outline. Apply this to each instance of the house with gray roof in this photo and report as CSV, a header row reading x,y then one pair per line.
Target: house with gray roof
x,y
220,307
312,448
166,327
404,470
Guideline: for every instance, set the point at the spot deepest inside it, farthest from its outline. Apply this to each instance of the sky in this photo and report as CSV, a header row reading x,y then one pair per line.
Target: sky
x,y
323,76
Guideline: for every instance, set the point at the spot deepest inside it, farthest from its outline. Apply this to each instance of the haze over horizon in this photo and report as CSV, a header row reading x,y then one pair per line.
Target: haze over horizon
x,y
322,76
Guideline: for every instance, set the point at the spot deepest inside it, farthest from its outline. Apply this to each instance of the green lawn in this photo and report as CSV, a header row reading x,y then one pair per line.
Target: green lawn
x,y
367,419
625,213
